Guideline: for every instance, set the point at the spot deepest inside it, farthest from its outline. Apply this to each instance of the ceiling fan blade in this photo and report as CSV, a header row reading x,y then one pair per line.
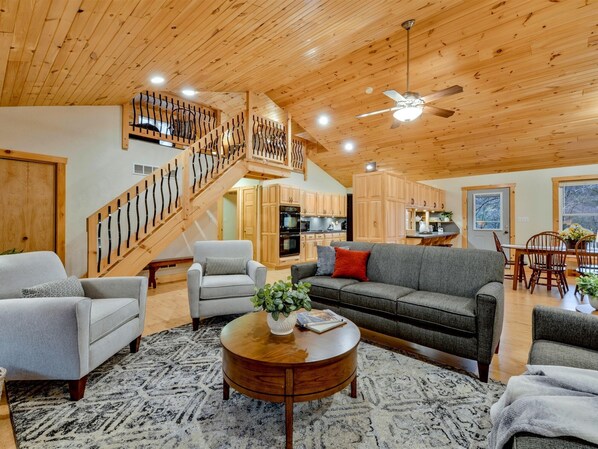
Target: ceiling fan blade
x,y
394,95
395,123
438,111
442,93
382,111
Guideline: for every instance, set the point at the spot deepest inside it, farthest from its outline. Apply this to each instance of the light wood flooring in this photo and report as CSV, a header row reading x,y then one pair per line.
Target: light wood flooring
x,y
168,307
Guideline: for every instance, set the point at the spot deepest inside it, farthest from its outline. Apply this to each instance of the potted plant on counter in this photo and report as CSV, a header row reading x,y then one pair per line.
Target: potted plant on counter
x,y
588,285
281,300
573,233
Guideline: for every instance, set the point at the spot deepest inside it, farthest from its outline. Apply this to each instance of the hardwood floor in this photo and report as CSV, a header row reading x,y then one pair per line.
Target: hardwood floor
x,y
167,307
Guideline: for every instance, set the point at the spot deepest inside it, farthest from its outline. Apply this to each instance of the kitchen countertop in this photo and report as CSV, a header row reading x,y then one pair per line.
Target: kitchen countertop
x,y
323,232
417,235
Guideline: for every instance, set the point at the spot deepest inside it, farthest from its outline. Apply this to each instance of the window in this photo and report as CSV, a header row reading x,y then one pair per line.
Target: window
x,y
487,211
578,203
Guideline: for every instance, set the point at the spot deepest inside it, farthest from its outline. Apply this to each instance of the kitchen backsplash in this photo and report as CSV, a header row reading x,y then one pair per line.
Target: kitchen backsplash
x,y
325,223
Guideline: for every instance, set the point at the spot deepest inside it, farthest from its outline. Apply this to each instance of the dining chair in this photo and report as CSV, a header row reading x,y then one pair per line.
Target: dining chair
x,y
547,254
509,263
586,253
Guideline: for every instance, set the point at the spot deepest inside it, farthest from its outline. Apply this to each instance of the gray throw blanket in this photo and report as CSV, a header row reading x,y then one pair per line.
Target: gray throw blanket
x,y
551,401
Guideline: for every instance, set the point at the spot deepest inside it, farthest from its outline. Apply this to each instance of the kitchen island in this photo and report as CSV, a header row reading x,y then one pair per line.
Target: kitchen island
x,y
431,239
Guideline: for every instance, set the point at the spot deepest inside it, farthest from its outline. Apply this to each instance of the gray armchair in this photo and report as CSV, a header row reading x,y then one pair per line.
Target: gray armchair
x,y
64,338
223,294
564,338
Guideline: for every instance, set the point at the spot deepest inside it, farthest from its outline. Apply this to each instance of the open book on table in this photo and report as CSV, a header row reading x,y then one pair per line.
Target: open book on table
x,y
319,320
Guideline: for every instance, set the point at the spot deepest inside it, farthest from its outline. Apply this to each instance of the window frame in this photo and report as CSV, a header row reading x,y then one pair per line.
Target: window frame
x,y
556,195
474,221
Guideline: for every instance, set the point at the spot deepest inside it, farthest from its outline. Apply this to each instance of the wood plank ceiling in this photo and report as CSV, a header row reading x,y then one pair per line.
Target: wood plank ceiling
x,y
528,68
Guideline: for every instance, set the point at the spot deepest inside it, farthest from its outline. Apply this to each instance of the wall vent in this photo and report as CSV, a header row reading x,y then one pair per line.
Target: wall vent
x,y
143,170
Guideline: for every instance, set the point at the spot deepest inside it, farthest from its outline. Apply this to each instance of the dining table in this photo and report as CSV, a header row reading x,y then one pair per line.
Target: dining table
x,y
522,250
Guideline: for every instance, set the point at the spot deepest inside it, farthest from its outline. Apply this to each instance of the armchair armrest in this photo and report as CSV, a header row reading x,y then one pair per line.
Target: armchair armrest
x,y
565,326
119,287
490,313
303,270
194,277
45,338
257,272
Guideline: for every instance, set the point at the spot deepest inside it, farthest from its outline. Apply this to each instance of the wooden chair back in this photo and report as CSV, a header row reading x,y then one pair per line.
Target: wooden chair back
x,y
499,247
586,253
547,249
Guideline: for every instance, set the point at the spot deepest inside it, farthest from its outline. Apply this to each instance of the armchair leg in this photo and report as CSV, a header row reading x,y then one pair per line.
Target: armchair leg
x,y
195,323
134,345
77,388
483,369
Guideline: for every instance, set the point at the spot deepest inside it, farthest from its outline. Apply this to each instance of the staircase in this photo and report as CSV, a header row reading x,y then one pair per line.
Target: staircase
x,y
135,227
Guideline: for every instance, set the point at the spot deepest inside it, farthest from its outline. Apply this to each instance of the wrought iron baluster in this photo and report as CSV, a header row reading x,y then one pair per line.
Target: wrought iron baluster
x,y
162,194
176,182
99,242
118,227
154,199
137,213
154,114
147,111
194,170
128,219
169,191
134,112
160,110
109,228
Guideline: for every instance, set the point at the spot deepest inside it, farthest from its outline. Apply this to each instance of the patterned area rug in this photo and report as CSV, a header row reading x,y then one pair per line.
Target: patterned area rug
x,y
169,395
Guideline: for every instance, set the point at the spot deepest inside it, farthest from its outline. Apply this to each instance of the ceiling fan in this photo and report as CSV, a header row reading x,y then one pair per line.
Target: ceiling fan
x,y
410,105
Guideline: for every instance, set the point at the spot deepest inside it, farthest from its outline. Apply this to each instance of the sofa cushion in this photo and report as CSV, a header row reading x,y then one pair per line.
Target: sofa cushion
x,y
327,287
545,352
61,288
374,296
326,260
459,272
229,286
351,264
216,266
108,314
452,312
529,441
396,264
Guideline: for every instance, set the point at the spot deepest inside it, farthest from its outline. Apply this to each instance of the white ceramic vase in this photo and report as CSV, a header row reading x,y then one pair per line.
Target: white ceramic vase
x,y
594,302
284,325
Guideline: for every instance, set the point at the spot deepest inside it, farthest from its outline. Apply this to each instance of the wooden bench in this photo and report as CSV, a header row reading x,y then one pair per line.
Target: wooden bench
x,y
155,265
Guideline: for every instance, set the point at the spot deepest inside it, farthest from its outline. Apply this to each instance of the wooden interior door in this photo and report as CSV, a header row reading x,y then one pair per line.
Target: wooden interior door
x,y
249,217
28,204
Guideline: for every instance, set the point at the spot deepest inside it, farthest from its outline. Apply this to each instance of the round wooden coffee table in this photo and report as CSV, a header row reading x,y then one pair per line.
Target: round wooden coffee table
x,y
298,367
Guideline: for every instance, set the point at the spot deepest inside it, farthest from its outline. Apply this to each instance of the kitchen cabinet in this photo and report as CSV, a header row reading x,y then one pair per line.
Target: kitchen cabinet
x,y
422,196
289,195
302,249
324,204
309,204
441,199
335,205
394,187
343,206
367,186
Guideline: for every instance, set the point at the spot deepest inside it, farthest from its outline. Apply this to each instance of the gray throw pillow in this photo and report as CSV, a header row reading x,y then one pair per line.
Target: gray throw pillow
x,y
55,289
326,260
225,265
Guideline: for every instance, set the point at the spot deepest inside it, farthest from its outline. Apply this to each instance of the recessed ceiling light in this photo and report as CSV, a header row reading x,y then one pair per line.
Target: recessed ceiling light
x,y
370,166
369,90
189,92
349,146
157,79
323,120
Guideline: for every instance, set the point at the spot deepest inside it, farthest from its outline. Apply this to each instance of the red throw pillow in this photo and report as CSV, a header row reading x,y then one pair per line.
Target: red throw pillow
x,y
351,264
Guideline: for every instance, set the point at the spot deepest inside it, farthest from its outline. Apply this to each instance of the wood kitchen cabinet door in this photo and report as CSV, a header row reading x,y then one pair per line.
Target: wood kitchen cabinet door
x,y
343,206
309,207
367,219
441,199
324,204
395,221
335,205
303,249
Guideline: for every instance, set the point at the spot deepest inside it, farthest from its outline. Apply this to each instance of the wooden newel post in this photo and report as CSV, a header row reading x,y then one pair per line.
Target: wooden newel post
x,y
126,110
248,127
289,141
92,246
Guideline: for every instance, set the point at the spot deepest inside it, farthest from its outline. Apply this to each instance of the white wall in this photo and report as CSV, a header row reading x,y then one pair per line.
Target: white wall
x,y
317,180
533,195
97,169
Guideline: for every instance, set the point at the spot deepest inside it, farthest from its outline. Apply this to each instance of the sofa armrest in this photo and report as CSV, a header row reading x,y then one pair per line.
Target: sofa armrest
x,y
194,277
490,312
119,287
45,338
302,271
257,272
565,326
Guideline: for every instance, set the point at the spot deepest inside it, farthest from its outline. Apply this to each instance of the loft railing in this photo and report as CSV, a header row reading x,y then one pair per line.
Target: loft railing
x,y
269,140
129,219
298,154
165,118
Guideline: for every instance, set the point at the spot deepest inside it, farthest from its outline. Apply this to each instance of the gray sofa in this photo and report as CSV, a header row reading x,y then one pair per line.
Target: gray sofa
x,y
564,338
445,298
64,338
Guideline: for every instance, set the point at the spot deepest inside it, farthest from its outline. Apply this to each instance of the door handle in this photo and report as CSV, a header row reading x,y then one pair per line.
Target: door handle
x,y
506,232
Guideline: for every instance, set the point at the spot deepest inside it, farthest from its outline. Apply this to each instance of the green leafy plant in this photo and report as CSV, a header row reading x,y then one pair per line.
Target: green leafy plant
x,y
10,251
282,297
574,232
448,215
588,285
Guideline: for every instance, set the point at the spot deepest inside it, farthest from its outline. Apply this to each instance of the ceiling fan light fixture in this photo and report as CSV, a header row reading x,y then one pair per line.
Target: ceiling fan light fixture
x,y
408,113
